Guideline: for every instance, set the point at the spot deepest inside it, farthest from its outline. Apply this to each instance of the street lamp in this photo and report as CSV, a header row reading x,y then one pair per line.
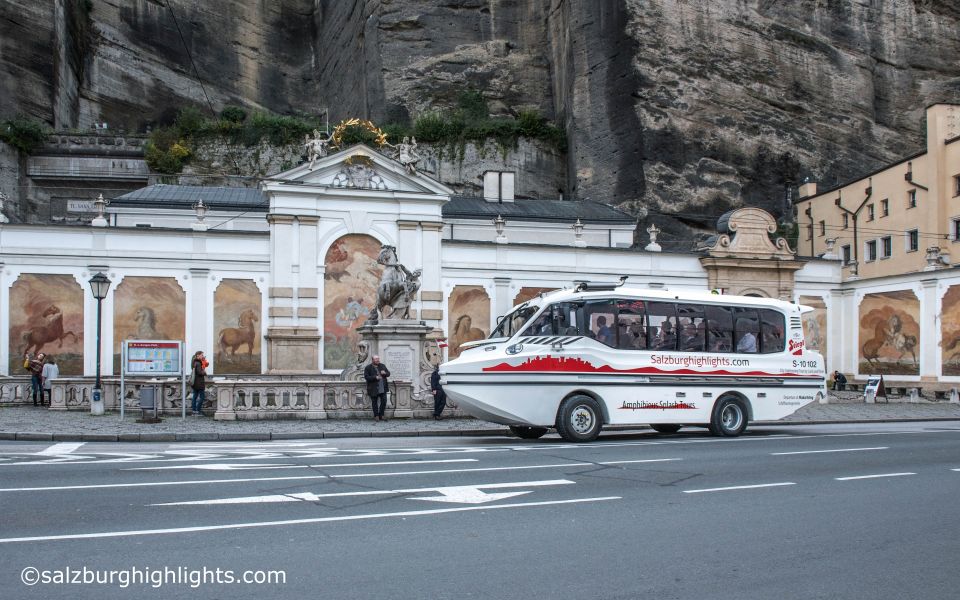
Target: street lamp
x,y
99,285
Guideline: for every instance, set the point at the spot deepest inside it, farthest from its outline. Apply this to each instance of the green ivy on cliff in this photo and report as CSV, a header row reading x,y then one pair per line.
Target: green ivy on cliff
x,y
170,148
24,134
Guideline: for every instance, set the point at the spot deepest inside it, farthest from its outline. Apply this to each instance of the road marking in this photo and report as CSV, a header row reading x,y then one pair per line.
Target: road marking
x,y
60,449
740,487
331,477
237,467
467,494
407,513
828,451
873,476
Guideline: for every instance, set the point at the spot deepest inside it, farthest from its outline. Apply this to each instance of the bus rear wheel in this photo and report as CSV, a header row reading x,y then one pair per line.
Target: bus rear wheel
x,y
665,428
729,417
579,419
528,433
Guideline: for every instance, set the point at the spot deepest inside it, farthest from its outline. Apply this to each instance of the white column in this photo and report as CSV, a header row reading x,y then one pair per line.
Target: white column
x,y
929,331
845,335
5,320
199,323
501,299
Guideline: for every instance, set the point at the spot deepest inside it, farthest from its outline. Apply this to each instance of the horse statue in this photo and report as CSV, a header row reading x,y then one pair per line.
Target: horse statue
x,y
397,289
234,337
51,330
463,332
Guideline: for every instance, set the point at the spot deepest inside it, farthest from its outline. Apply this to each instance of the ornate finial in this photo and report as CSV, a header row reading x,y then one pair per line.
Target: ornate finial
x,y
578,241
101,205
201,209
653,246
499,224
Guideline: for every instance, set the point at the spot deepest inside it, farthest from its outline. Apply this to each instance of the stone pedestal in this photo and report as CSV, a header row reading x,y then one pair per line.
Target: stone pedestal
x,y
293,350
401,345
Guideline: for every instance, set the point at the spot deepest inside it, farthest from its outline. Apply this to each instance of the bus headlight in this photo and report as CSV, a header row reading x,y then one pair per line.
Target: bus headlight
x,y
514,348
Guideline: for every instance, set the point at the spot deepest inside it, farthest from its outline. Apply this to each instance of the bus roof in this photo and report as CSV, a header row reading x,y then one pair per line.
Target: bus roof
x,y
698,296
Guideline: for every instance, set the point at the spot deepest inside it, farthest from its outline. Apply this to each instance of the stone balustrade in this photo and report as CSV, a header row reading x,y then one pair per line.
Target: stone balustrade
x,y
235,398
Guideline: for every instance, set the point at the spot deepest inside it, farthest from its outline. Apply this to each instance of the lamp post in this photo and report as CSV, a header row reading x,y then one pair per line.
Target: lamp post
x,y
99,285
499,224
201,209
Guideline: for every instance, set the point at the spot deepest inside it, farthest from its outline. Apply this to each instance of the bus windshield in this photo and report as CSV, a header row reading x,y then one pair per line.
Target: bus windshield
x,y
514,321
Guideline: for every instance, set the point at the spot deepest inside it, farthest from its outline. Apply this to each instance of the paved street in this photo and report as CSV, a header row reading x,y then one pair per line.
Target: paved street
x,y
812,511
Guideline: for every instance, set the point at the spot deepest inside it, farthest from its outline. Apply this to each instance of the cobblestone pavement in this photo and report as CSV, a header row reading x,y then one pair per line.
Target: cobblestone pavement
x,y
30,423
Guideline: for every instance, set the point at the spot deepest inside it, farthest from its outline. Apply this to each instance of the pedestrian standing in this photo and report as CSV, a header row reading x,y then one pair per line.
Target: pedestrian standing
x,y
198,383
36,376
376,374
439,396
50,371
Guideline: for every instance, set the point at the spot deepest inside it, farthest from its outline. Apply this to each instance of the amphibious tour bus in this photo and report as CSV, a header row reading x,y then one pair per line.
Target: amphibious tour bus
x,y
581,358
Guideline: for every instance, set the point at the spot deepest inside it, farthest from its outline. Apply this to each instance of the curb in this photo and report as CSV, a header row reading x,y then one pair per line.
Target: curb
x,y
315,435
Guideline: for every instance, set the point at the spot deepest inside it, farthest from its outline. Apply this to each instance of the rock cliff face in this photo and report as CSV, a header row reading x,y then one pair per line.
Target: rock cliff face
x,y
675,110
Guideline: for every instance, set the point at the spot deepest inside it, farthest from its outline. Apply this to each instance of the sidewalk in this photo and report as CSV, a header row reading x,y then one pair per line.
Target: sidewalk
x,y
39,424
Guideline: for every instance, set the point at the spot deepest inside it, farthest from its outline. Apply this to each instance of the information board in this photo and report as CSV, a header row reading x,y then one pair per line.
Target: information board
x,y
874,388
156,357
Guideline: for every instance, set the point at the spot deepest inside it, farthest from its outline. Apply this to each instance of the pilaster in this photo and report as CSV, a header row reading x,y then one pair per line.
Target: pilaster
x,y
929,331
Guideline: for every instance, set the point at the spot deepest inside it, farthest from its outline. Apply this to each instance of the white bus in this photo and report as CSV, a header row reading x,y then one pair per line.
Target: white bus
x,y
596,355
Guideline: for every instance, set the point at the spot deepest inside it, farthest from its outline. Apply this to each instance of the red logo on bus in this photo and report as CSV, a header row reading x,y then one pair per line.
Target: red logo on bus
x,y
796,347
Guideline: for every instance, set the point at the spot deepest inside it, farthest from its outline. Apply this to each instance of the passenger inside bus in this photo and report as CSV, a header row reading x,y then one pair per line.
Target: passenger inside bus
x,y
604,334
693,337
667,338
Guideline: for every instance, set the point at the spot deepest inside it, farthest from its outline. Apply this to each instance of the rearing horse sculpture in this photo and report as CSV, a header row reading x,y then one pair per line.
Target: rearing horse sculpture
x,y
398,286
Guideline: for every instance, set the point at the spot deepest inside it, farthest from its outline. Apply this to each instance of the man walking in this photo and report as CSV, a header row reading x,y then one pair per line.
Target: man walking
x,y
376,375
439,396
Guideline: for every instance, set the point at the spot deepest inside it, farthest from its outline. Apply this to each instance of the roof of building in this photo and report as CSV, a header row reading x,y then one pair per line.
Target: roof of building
x,y
473,207
184,196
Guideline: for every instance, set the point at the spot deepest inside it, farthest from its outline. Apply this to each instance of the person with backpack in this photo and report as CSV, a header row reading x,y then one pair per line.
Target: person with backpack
x,y
50,371
198,374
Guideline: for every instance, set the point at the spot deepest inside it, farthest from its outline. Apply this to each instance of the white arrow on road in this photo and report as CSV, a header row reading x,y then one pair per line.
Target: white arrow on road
x,y
462,494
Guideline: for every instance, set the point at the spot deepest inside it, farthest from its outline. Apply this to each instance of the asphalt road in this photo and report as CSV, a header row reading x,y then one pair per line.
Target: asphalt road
x,y
856,511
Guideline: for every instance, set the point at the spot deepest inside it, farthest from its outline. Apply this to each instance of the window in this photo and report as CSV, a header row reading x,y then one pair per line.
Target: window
x,y
870,212
810,231
956,230
846,254
599,317
719,329
846,220
692,334
745,330
823,228
871,248
884,208
912,199
956,185
771,331
886,247
913,240
661,326
631,327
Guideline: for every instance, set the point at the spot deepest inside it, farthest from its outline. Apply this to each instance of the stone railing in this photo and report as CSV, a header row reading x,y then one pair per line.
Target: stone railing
x,y
234,399
307,399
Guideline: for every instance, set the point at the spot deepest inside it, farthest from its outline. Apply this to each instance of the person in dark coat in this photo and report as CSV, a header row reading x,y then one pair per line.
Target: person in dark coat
x,y
439,396
199,386
376,374
839,381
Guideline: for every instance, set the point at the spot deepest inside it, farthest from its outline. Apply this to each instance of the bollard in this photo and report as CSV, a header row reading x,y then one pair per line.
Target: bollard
x,y
914,395
954,396
870,397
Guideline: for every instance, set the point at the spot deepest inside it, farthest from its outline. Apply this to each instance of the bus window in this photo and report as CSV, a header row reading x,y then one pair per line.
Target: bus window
x,y
771,331
661,326
599,317
745,329
513,322
719,329
543,325
631,329
692,334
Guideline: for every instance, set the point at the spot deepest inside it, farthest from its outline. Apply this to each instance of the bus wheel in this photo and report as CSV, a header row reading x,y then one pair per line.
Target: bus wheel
x,y
579,419
666,428
729,417
528,433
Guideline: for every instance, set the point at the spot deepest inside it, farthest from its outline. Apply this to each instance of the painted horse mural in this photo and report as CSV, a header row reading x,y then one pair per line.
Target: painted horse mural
x,y
50,330
246,333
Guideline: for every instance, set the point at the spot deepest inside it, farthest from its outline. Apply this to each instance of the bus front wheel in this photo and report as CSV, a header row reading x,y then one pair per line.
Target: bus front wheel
x,y
528,433
579,419
729,417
